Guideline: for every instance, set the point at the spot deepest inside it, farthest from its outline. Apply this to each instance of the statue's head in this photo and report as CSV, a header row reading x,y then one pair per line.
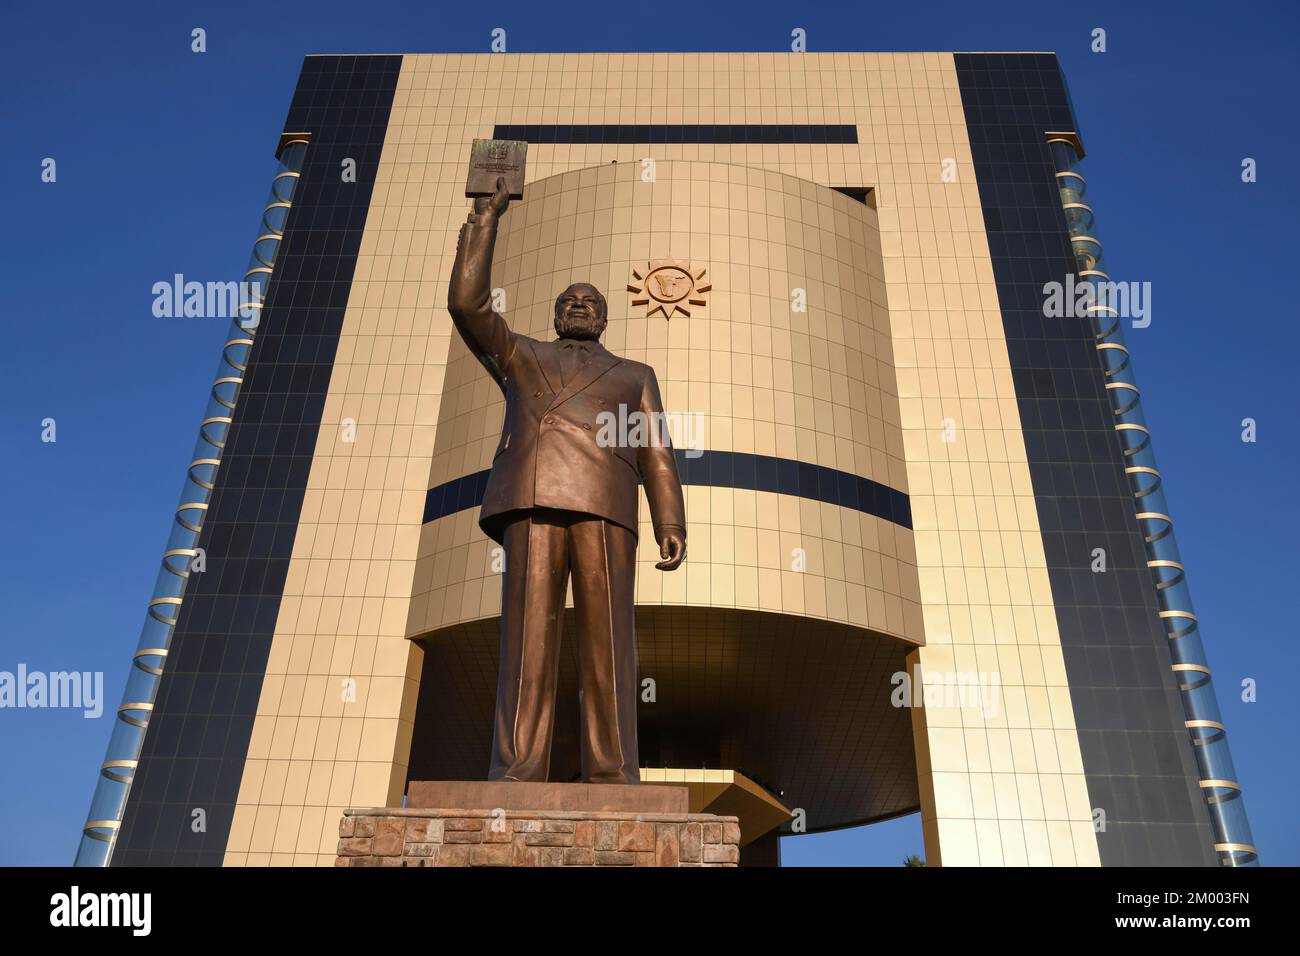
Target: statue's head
x,y
580,312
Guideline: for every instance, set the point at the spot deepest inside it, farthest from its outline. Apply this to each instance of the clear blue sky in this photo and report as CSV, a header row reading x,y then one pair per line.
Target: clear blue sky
x,y
164,157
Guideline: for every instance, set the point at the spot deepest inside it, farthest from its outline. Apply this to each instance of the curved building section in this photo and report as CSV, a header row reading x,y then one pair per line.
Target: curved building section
x,y
757,389
799,595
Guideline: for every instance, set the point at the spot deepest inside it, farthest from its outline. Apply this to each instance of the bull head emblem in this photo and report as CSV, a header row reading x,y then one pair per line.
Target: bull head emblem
x,y
668,286
669,283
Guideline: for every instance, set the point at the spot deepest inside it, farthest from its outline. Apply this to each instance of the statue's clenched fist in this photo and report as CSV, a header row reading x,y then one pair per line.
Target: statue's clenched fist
x,y
672,548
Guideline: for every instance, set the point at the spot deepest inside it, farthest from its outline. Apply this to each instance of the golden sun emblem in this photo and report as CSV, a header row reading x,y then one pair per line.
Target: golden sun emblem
x,y
668,286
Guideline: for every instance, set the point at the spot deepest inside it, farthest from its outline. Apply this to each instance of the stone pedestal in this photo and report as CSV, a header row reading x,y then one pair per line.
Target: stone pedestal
x,y
507,824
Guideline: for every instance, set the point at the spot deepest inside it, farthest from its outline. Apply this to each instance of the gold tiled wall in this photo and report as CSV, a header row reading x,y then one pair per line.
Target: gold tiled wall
x,y
338,699
1001,789
749,373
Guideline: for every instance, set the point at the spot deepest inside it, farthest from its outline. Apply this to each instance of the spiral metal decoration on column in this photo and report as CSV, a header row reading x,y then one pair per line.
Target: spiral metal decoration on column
x,y
1218,779
99,834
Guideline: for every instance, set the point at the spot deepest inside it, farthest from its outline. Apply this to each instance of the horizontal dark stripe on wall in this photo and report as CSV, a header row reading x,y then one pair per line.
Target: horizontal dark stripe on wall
x,y
680,133
726,469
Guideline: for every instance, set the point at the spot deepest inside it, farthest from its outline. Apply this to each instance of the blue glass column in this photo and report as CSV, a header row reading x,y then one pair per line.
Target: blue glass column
x,y
99,834
1218,778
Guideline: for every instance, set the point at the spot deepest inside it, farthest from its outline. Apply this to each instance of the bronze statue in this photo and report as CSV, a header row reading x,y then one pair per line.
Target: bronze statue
x,y
559,500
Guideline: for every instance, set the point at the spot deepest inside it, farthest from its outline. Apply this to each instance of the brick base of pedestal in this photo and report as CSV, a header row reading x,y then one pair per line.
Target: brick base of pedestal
x,y
460,837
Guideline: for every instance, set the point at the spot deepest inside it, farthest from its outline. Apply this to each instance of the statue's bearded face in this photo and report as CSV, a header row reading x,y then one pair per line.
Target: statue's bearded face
x,y
580,312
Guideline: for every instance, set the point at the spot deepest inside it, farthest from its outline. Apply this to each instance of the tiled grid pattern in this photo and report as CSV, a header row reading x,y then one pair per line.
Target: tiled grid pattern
x,y
811,388
343,590
985,594
1136,754
200,730
1007,787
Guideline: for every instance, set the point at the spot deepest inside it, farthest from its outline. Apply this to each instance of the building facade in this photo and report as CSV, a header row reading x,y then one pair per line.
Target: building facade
x,y
899,471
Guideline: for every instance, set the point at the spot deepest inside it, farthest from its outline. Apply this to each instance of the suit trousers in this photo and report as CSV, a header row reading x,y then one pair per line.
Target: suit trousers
x,y
542,548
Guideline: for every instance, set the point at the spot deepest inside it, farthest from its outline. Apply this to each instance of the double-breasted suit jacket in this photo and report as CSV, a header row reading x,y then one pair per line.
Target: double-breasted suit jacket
x,y
555,450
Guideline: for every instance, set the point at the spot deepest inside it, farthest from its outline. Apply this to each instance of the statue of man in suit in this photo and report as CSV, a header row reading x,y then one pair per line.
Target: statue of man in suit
x,y
561,499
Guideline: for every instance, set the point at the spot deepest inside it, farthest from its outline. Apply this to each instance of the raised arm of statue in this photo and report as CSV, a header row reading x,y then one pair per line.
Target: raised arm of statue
x,y
470,298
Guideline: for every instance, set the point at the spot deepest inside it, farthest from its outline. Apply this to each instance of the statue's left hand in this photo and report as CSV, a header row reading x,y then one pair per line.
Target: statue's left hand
x,y
672,548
